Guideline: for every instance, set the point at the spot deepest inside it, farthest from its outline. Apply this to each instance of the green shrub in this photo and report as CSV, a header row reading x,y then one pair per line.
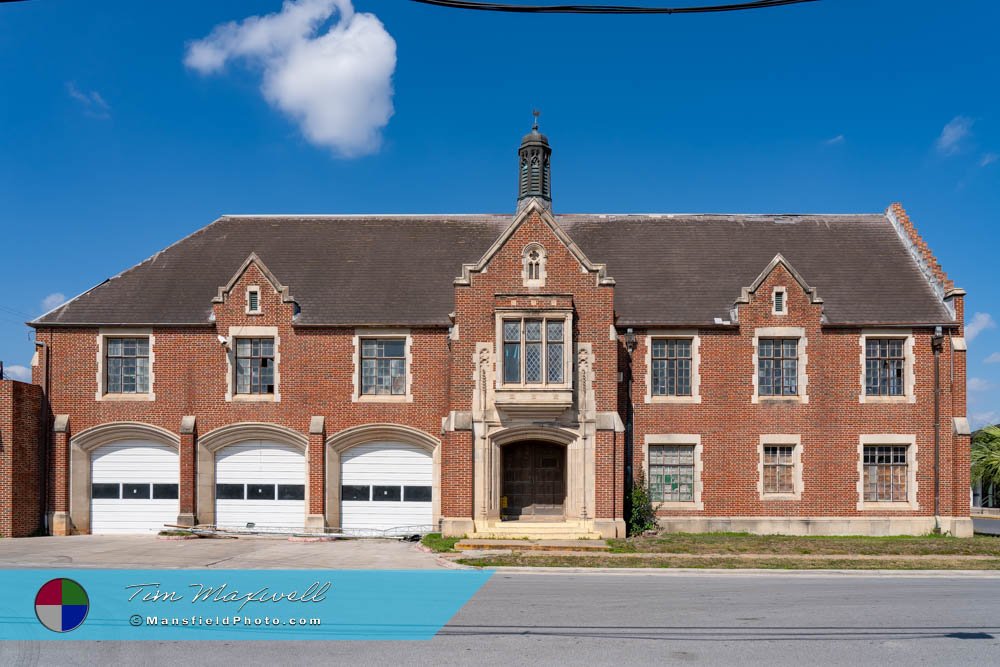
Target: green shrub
x,y
642,515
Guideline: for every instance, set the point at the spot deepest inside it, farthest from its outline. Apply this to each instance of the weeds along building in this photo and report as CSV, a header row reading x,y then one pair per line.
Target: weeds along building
x,y
507,375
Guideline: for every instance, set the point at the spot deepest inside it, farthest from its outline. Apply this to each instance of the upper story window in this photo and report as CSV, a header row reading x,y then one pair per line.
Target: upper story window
x,y
533,265
255,365
777,367
885,364
671,367
383,366
127,363
534,351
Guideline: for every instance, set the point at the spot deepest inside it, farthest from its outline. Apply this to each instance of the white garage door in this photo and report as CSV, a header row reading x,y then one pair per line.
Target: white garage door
x,y
262,483
386,488
133,487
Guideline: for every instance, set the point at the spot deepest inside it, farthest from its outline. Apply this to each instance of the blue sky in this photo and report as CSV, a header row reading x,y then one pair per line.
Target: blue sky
x,y
126,125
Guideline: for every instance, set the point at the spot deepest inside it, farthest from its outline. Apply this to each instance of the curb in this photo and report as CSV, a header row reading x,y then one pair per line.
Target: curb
x,y
749,572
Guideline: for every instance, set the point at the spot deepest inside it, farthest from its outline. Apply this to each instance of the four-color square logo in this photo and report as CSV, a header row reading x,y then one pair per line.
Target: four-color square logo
x,y
61,605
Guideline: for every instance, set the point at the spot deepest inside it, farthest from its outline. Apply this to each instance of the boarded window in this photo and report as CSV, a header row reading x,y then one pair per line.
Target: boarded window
x,y
886,470
779,469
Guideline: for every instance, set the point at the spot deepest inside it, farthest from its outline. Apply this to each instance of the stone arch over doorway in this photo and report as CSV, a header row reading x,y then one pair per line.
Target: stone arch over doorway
x,y
85,442
231,434
341,442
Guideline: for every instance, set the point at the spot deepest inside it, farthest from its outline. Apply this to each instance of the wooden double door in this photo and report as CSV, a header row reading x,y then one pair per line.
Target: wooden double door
x,y
534,481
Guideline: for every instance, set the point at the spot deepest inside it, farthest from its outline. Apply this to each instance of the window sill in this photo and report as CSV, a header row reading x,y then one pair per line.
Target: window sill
x,y
677,505
127,397
254,398
781,496
886,399
781,399
383,398
678,400
890,506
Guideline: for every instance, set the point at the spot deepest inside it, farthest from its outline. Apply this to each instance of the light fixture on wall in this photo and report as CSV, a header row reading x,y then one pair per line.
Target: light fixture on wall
x,y
630,340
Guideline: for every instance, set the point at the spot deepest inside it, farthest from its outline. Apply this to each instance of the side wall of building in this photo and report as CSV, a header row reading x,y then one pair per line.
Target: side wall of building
x,y
20,459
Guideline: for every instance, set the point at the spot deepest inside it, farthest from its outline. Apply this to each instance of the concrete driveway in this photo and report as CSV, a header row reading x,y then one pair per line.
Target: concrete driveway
x,y
140,551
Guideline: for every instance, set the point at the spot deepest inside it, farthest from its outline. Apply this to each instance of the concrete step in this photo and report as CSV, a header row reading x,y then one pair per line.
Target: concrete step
x,y
485,544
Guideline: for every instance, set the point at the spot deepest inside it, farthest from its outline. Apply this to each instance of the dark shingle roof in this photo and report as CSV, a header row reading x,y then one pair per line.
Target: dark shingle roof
x,y
681,269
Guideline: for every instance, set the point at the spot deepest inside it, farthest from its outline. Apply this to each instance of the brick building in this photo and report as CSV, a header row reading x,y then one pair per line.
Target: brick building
x,y
509,375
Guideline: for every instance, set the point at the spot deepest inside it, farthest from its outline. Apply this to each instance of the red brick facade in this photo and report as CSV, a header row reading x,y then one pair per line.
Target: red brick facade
x,y
455,400
20,459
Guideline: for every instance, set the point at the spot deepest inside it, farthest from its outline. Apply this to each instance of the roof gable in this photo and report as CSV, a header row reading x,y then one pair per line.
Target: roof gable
x,y
533,206
253,260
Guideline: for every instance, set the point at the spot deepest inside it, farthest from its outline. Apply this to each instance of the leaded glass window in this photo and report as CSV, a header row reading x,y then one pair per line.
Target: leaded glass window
x,y
534,351
671,473
778,367
885,471
884,367
254,365
127,362
779,469
671,360
383,366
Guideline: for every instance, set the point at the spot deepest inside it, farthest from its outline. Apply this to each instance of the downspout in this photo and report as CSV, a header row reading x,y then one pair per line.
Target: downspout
x,y
937,342
44,442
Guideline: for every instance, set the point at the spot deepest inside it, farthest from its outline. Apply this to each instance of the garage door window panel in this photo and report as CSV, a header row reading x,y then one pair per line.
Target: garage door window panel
x,y
260,492
165,492
291,492
417,494
135,491
229,492
386,493
105,491
355,492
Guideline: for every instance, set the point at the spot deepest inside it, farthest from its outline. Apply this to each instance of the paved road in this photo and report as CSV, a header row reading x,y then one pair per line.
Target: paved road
x,y
137,551
591,619
986,525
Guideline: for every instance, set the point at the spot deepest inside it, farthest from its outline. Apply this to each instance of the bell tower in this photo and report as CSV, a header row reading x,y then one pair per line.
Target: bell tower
x,y
534,176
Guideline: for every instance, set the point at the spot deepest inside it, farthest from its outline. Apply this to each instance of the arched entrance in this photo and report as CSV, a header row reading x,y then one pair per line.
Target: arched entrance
x,y
533,481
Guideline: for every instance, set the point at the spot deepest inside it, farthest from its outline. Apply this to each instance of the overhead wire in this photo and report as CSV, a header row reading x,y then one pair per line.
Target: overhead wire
x,y
479,5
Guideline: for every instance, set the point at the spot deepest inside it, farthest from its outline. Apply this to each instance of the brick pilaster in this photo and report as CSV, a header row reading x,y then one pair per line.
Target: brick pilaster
x,y
188,472
316,518
60,524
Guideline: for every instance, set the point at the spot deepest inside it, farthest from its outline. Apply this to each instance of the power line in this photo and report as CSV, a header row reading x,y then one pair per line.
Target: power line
x,y
479,5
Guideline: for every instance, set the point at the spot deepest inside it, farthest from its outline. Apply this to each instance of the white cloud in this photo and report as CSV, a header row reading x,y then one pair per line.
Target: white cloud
x,y
53,300
954,135
22,373
980,323
980,419
988,159
835,141
979,384
93,104
336,83
993,358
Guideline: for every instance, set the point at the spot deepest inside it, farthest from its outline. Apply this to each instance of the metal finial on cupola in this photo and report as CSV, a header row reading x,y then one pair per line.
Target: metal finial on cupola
x,y
534,174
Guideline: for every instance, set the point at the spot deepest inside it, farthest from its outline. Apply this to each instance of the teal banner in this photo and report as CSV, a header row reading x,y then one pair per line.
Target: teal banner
x,y
78,604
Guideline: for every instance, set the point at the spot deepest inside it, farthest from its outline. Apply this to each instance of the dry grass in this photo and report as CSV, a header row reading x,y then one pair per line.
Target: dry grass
x,y
742,543
735,562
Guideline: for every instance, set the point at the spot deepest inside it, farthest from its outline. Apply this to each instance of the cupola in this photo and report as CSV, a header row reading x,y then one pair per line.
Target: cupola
x,y
534,176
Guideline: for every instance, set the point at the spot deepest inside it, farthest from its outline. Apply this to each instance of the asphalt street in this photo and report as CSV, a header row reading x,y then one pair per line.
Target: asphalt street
x,y
619,619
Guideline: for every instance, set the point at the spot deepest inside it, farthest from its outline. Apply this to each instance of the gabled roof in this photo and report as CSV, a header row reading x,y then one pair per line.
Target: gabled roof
x,y
400,270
